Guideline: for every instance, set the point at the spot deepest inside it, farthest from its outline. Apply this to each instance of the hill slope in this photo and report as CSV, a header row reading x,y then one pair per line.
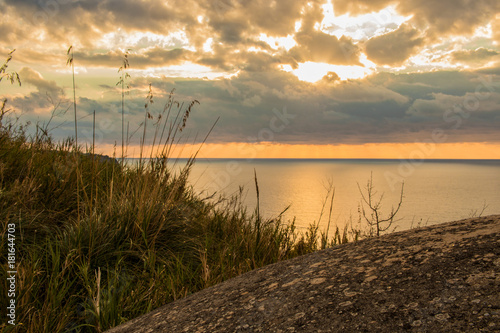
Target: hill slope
x,y
441,278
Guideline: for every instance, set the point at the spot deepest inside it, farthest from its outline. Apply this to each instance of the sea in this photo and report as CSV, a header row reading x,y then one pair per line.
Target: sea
x,y
433,191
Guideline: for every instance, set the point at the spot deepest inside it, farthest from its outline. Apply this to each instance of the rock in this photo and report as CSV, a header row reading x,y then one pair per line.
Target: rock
x,y
442,278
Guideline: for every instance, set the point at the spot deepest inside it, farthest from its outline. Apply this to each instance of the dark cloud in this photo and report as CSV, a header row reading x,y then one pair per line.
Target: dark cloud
x,y
395,47
347,112
274,18
422,85
474,56
352,112
8,32
318,46
151,57
82,22
230,31
258,62
491,71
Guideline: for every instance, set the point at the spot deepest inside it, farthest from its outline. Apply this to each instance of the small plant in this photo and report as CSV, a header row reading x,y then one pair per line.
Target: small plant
x,y
70,62
373,214
12,76
478,212
186,114
147,115
124,75
313,239
324,235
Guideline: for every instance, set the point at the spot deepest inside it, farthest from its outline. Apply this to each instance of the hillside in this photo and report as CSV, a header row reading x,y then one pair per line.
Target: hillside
x,y
442,278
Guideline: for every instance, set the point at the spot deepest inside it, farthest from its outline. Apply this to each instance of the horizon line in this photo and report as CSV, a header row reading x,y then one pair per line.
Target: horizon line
x,y
416,161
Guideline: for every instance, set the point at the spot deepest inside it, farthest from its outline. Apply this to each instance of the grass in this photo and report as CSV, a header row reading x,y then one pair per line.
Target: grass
x,y
141,238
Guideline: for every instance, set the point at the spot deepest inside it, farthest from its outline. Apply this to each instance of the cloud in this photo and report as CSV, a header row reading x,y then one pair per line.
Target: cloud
x,y
331,77
440,17
234,26
83,22
8,32
317,46
455,17
478,55
348,112
38,105
423,85
356,7
230,31
43,86
365,92
274,18
470,117
395,47
252,101
383,108
495,26
145,58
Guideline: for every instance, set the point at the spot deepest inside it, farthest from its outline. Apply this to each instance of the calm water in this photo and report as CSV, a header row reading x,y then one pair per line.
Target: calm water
x,y
434,191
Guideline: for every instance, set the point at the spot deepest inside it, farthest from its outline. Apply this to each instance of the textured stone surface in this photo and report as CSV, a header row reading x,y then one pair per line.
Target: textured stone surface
x,y
443,278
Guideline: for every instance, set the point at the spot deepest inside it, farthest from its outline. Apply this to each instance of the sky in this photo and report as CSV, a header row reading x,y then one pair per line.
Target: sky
x,y
412,79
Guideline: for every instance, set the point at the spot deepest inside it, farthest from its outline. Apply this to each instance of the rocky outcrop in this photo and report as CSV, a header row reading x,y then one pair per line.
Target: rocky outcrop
x,y
442,278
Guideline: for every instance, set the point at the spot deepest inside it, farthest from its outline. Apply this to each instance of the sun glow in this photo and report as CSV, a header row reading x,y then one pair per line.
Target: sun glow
x,y
484,32
279,42
315,71
207,47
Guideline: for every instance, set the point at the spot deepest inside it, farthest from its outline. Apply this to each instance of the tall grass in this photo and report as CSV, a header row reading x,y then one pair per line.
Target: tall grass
x,y
100,242
143,237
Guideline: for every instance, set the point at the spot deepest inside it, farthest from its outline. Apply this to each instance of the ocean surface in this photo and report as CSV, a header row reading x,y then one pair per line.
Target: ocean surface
x,y
435,191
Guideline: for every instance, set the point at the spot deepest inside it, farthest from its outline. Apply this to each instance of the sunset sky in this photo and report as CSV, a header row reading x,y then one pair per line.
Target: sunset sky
x,y
409,79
